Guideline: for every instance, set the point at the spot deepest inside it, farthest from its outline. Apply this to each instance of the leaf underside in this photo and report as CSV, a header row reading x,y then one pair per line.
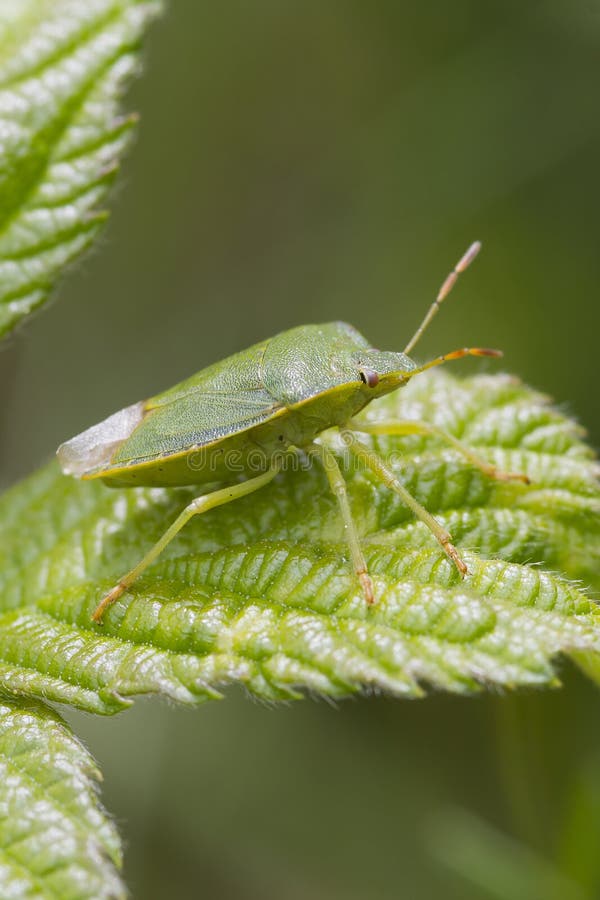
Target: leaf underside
x,y
55,840
63,64
261,593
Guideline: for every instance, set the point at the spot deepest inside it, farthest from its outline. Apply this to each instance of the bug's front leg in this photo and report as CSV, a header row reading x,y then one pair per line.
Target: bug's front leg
x,y
385,474
197,506
338,487
401,427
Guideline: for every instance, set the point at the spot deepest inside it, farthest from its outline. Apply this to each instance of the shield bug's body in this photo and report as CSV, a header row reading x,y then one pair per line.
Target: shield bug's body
x,y
240,417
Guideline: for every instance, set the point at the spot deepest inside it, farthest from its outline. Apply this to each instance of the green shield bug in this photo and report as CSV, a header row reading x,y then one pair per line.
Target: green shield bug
x,y
257,407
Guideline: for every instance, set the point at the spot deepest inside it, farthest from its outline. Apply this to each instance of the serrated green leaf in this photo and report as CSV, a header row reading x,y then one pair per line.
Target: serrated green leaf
x,y
55,839
62,68
261,593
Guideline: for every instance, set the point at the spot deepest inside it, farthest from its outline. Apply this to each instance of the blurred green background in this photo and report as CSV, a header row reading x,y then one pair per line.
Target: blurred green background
x,y
303,162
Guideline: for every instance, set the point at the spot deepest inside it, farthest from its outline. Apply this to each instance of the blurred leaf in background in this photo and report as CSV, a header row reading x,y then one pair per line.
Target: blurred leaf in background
x,y
501,867
306,162
55,839
62,74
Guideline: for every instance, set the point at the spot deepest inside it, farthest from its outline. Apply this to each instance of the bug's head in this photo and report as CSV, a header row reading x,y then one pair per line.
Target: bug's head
x,y
382,371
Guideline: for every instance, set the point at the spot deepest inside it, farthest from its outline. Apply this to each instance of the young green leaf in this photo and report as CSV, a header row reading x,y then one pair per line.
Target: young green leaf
x,y
55,840
62,68
261,592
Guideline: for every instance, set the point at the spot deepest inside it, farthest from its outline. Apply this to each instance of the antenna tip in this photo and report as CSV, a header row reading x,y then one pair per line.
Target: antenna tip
x,y
485,351
469,256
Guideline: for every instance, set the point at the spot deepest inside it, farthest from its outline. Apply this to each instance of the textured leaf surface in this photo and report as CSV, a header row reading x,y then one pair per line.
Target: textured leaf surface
x,y
55,840
260,592
62,67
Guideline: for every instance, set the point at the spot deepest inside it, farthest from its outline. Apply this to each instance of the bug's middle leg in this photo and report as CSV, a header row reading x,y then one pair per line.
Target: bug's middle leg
x,y
407,427
385,474
198,505
338,487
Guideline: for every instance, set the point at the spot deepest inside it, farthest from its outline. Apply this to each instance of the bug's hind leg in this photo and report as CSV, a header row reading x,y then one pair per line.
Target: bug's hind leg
x,y
385,474
198,505
338,487
406,427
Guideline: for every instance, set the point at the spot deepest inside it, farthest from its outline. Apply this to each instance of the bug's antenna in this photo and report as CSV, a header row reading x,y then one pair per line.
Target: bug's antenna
x,y
463,263
455,354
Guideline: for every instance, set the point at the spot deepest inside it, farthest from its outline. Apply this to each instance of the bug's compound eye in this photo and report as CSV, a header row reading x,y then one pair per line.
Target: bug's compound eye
x,y
369,377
